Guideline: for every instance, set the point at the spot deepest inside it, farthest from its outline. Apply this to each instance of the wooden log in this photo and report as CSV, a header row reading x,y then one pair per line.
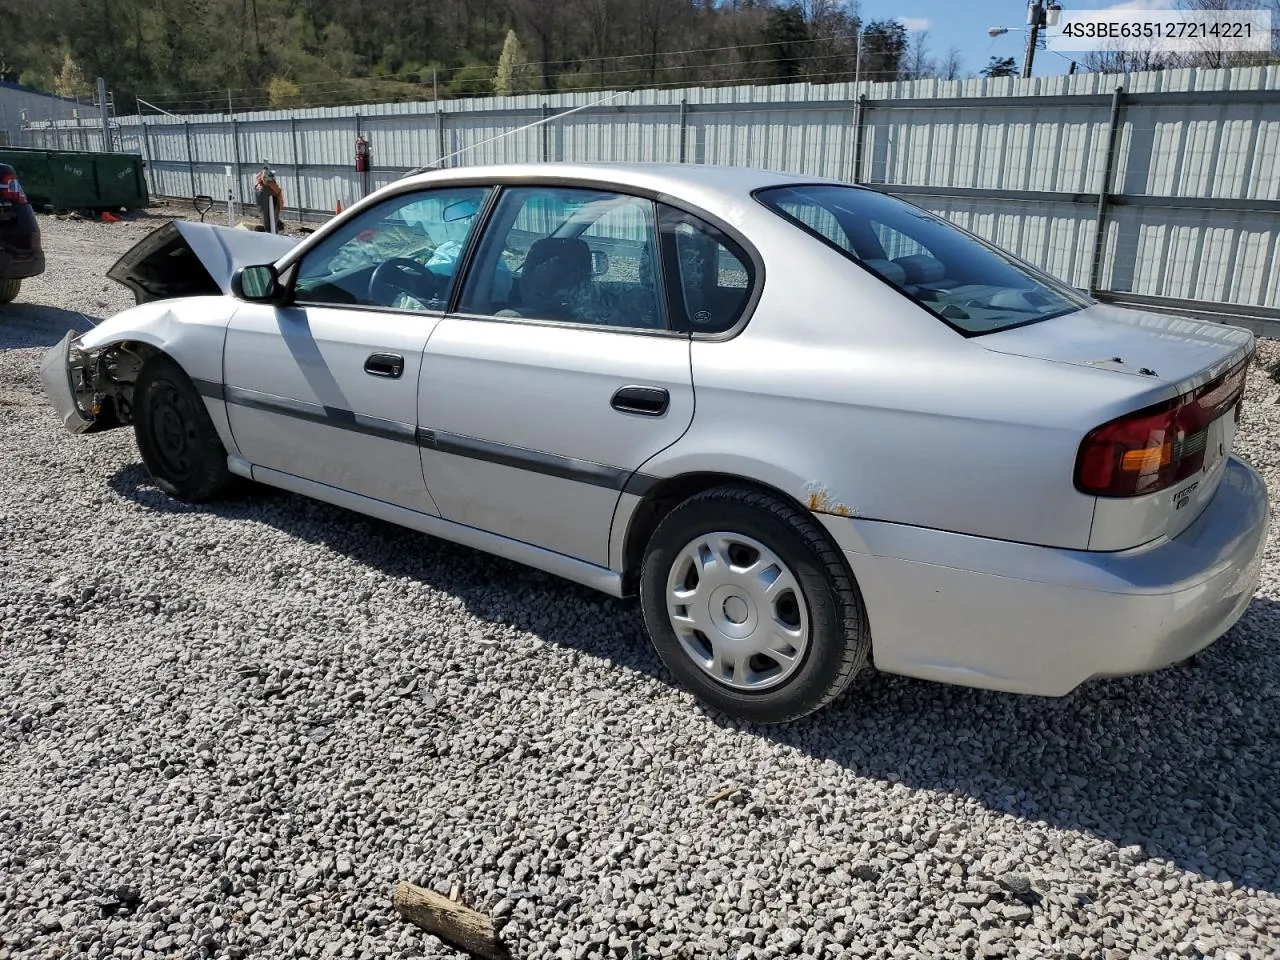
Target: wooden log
x,y
456,925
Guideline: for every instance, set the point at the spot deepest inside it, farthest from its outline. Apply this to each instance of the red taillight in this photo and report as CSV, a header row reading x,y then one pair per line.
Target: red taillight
x,y
11,189
1154,448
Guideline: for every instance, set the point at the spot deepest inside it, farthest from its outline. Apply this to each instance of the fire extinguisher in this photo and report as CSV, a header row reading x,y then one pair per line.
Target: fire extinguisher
x,y
362,155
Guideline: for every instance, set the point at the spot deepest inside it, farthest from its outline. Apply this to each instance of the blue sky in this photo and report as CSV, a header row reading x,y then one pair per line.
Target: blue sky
x,y
964,23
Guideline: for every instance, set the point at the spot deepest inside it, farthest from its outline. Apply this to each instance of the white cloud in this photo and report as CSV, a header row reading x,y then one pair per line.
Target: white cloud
x,y
914,23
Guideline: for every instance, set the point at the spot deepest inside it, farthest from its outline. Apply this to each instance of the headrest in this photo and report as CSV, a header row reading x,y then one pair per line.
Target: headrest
x,y
921,268
553,266
889,270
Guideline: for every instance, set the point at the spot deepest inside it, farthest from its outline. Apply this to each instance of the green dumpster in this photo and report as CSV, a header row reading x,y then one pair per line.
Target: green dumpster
x,y
120,180
79,179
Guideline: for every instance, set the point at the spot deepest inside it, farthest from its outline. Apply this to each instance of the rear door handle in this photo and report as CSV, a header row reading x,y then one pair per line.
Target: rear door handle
x,y
645,401
390,365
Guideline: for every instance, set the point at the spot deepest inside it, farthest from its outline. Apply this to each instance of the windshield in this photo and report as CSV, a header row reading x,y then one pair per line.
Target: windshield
x,y
972,286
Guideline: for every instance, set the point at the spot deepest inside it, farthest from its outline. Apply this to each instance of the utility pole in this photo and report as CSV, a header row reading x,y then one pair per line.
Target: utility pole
x,y
1039,15
102,111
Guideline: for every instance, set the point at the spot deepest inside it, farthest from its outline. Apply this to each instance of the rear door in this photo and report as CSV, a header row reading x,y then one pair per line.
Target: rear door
x,y
559,375
326,388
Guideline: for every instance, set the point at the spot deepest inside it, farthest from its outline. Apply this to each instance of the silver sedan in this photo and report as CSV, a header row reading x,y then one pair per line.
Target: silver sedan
x,y
809,425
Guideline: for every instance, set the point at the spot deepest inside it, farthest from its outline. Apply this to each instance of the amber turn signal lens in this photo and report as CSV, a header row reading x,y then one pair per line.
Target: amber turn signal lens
x,y
1151,458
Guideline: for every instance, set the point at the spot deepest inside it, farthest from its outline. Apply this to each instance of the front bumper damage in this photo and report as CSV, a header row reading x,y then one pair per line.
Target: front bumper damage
x,y
78,385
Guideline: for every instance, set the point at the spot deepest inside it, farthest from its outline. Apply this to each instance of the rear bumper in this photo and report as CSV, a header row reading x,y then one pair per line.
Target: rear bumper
x,y
14,268
1037,620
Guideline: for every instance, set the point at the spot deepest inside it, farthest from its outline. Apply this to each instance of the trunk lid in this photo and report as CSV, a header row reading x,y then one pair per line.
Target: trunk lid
x,y
1165,357
1177,351
187,259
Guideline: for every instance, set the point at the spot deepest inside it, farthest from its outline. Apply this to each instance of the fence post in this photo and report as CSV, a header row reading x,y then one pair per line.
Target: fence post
x,y
1104,189
148,156
297,167
684,129
546,132
860,110
235,155
191,158
439,136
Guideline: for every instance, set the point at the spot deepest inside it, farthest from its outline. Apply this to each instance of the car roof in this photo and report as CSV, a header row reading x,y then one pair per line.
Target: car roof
x,y
678,179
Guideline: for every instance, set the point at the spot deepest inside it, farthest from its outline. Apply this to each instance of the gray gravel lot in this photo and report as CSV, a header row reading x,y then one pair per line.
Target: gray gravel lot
x,y
226,731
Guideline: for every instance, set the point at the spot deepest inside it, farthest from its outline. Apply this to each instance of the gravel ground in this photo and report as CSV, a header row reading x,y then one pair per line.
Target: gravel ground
x,y
227,731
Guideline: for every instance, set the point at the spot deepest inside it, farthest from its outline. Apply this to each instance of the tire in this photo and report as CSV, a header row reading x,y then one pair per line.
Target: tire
x,y
9,290
175,434
776,565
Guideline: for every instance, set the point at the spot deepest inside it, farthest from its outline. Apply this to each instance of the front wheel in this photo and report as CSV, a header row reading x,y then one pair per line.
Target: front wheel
x,y
749,605
9,290
175,435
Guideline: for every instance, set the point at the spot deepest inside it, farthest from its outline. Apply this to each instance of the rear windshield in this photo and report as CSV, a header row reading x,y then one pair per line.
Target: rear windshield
x,y
970,284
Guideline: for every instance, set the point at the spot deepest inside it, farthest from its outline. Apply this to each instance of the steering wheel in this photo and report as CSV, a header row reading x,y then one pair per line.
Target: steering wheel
x,y
387,281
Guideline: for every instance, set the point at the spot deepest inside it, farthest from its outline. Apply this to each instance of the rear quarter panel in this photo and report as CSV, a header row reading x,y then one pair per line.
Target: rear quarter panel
x,y
855,401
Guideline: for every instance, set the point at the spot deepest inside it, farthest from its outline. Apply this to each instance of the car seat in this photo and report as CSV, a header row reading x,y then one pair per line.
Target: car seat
x,y
554,269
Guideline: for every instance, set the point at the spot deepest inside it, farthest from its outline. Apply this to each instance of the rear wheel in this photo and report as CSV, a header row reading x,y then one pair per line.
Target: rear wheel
x,y
749,605
9,290
175,434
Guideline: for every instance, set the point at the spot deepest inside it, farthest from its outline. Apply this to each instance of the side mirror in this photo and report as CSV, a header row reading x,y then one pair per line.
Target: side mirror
x,y
599,263
258,284
459,210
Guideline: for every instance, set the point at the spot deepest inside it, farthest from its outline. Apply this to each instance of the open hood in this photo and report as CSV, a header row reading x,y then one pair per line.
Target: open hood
x,y
187,259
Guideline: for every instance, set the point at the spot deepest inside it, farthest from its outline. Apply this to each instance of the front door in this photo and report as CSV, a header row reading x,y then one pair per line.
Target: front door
x,y
559,375
326,388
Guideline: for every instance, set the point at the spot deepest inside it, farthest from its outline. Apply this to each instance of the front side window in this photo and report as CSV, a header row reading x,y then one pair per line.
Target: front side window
x,y
569,255
715,275
399,255
973,286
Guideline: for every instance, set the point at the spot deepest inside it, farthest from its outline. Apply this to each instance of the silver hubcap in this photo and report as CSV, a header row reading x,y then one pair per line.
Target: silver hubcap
x,y
737,611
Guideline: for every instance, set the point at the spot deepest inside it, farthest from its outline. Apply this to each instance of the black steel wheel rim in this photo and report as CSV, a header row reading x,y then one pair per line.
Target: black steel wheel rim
x,y
172,425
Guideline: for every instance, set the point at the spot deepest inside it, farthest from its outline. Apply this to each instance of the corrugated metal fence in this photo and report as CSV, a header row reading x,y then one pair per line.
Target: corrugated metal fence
x,y
1161,188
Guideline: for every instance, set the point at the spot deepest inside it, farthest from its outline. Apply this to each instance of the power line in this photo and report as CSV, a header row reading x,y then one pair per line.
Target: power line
x,y
221,92
263,105
603,80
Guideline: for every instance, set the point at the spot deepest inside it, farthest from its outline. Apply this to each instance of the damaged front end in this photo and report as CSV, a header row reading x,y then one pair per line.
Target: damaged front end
x,y
91,391
91,386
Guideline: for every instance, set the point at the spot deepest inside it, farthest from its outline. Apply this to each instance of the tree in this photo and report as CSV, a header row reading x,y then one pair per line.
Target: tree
x,y
542,20
471,80
884,43
283,93
916,63
1000,67
952,65
71,80
514,75
786,32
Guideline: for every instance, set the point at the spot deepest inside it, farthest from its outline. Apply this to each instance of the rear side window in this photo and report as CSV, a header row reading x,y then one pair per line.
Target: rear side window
x,y
968,283
714,276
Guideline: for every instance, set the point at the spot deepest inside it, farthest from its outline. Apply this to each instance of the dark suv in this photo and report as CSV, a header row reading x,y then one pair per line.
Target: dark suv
x,y
21,255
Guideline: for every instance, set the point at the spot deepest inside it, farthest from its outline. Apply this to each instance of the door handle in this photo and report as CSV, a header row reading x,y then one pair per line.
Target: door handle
x,y
390,365
646,401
